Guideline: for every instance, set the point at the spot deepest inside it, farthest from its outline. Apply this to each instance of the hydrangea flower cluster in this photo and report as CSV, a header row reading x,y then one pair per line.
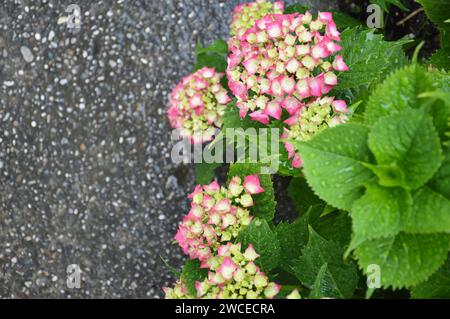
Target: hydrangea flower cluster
x,y
317,116
282,61
245,15
234,275
197,104
179,291
217,216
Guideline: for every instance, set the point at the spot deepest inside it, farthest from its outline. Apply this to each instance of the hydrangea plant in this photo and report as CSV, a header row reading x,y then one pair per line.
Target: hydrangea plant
x,y
367,132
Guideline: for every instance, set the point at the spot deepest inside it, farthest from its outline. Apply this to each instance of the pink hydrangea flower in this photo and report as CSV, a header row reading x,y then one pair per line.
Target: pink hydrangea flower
x,y
245,15
197,104
234,275
217,216
289,60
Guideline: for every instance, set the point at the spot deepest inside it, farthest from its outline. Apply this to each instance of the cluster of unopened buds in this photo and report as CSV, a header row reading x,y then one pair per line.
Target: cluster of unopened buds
x,y
281,67
282,61
317,116
197,104
245,15
232,275
217,216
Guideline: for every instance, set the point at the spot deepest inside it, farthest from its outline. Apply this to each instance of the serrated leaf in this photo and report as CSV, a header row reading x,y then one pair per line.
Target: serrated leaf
x,y
378,214
398,93
437,287
441,59
430,213
264,203
369,58
334,164
265,242
410,142
205,173
336,227
294,236
302,195
324,286
405,260
191,274
320,252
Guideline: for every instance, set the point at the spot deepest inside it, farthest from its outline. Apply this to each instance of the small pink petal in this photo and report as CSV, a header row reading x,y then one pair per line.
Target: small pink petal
x,y
273,109
227,269
239,89
332,31
297,162
252,185
316,85
339,64
331,78
303,88
291,104
288,85
340,106
259,116
326,16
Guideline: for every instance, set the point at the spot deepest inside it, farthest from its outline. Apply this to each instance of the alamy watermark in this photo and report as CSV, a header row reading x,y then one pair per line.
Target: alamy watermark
x,y
73,276
374,276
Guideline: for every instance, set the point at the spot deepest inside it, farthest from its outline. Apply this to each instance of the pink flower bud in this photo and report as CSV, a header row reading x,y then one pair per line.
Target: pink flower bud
x,y
273,109
227,269
339,64
250,253
212,188
316,85
272,290
340,106
331,79
259,116
291,104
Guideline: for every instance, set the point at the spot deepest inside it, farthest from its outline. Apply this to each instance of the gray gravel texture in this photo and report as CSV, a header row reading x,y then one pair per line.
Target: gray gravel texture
x,y
85,171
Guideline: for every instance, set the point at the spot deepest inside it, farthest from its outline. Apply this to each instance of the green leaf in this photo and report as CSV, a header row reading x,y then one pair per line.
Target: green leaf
x,y
336,227
205,173
405,260
340,275
211,60
398,93
430,213
437,11
264,203
385,4
296,8
191,274
441,181
379,212
302,195
344,20
410,142
369,58
265,242
441,59
294,236
437,287
324,286
334,164
219,46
